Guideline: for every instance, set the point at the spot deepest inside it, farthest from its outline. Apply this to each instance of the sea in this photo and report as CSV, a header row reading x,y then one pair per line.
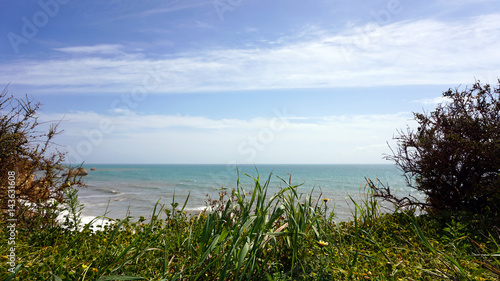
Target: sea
x,y
119,190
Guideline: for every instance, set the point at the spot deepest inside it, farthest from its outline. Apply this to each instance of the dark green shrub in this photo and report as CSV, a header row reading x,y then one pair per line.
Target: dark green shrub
x,y
454,155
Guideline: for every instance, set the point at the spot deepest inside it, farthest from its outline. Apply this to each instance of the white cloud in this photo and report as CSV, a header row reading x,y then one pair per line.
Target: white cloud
x,y
196,139
402,53
174,7
113,49
433,101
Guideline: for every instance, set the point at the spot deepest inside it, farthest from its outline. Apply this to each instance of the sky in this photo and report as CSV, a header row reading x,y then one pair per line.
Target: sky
x,y
241,81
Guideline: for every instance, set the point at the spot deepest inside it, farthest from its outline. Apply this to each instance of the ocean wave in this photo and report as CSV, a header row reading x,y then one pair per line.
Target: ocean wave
x,y
96,222
117,169
110,191
195,209
96,196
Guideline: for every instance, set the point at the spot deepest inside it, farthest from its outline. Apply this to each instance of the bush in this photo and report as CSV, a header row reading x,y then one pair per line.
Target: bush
x,y
454,155
30,167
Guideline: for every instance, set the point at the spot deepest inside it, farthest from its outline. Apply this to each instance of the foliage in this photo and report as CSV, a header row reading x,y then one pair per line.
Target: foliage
x,y
454,155
284,236
72,209
27,154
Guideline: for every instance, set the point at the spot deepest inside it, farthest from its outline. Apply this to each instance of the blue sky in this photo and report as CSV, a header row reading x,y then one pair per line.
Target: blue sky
x,y
241,81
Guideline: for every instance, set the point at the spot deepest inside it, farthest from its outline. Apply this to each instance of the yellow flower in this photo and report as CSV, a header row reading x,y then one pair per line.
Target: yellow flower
x,y
322,243
84,266
94,270
326,199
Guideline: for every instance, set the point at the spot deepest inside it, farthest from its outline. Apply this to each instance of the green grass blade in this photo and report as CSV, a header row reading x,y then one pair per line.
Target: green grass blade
x,y
13,274
117,277
242,254
433,250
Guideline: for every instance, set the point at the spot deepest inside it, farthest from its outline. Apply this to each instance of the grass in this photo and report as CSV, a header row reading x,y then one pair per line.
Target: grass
x,y
253,235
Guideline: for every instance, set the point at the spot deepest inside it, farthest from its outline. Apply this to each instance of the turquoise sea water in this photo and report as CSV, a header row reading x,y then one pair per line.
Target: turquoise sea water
x,y
136,188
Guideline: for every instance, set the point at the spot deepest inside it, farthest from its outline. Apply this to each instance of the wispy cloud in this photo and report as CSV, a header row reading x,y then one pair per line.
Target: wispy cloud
x,y
174,6
432,101
128,121
112,49
402,53
143,9
204,25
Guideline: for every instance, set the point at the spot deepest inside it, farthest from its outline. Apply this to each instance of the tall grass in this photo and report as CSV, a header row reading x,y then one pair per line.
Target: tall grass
x,y
253,235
